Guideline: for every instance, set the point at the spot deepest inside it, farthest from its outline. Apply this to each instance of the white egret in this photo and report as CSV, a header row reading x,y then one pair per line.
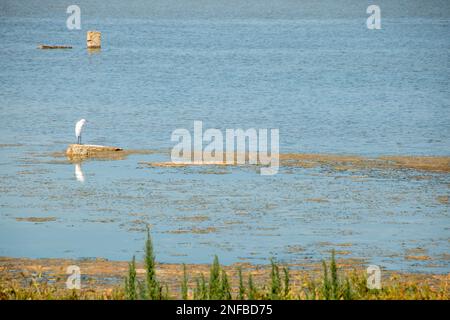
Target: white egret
x,y
78,128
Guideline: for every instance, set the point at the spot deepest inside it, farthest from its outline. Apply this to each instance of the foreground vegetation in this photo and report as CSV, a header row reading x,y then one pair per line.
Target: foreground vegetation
x,y
332,284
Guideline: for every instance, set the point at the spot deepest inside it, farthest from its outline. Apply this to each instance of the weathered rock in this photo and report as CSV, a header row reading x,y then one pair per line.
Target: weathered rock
x,y
90,150
93,39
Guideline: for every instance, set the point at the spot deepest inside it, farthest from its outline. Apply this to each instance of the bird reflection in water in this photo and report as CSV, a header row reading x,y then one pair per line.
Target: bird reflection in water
x,y
79,173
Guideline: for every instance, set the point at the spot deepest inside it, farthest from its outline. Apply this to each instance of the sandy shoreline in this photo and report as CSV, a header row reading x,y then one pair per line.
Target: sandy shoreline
x,y
104,275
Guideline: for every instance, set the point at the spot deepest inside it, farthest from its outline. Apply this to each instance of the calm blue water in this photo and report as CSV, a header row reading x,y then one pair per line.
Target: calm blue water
x,y
311,69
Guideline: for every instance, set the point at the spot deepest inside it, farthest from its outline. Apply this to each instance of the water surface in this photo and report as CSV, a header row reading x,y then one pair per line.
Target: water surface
x,y
311,69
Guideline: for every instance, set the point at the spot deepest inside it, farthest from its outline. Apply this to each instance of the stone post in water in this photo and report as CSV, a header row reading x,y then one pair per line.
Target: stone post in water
x,y
93,39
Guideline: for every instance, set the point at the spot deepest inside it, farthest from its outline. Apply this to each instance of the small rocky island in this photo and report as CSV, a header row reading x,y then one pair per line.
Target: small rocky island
x,y
91,150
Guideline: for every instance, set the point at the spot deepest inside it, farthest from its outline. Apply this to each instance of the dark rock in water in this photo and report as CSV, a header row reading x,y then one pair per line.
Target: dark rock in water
x,y
43,46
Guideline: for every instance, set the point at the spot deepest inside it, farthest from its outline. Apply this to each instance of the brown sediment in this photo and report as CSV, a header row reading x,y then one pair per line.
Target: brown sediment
x,y
36,219
426,163
227,159
348,162
342,252
330,244
101,274
319,200
419,258
197,218
232,222
324,243
164,164
442,199
35,171
304,160
343,244
416,251
313,160
106,220
294,249
184,164
139,151
444,256
335,162
10,145
194,230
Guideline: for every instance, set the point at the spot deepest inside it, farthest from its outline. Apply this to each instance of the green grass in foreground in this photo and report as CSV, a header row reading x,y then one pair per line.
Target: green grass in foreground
x,y
331,285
